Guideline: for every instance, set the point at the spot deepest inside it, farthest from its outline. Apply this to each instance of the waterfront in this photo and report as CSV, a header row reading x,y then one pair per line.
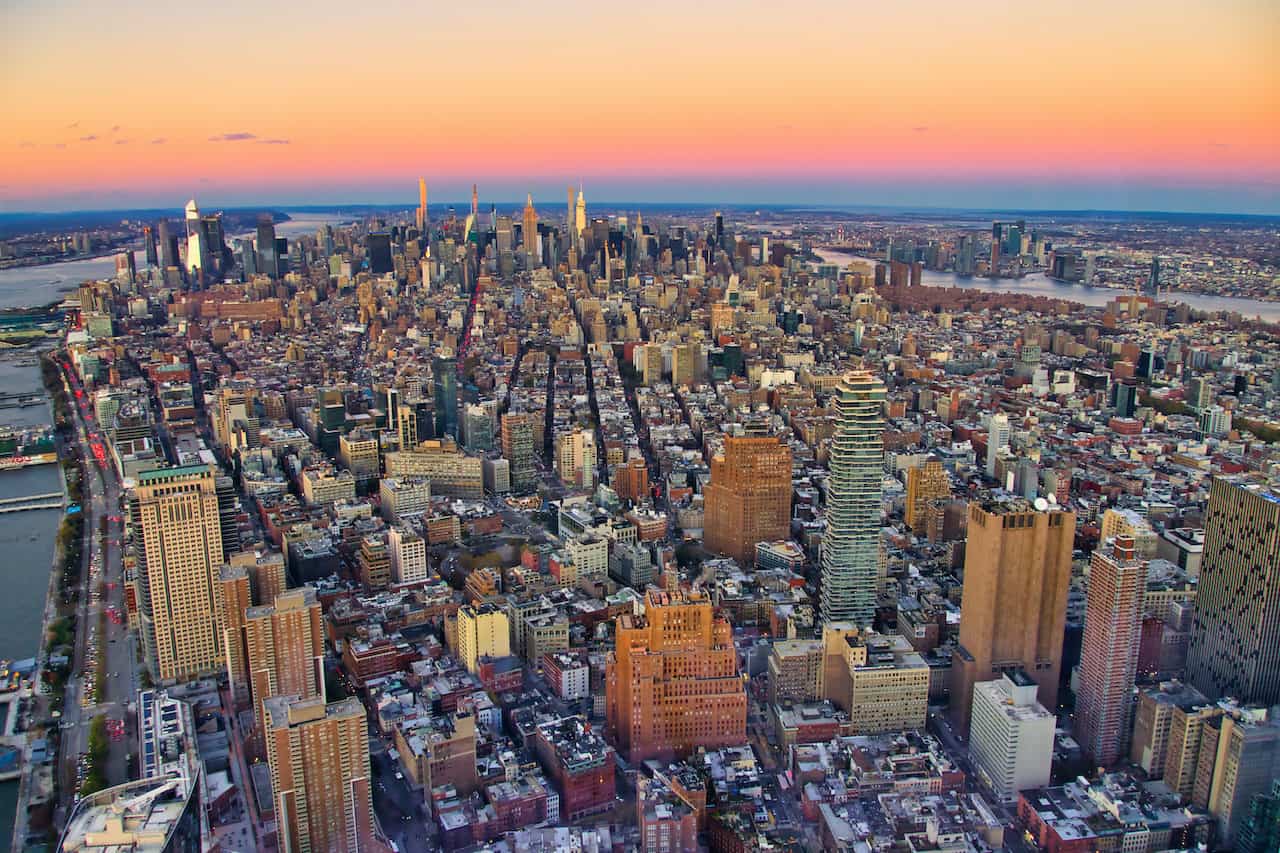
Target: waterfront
x,y
1038,284
28,287
26,538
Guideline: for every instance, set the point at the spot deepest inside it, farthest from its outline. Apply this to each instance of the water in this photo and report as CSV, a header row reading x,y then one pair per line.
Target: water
x,y
25,287
1038,284
26,540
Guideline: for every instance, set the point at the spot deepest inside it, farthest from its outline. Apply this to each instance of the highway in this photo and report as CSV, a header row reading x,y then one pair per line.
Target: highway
x,y
101,588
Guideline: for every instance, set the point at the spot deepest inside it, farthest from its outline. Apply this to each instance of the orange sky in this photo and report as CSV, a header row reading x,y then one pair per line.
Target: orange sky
x,y
107,100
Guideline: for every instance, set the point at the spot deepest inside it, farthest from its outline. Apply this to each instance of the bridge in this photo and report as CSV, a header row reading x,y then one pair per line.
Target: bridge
x,y
29,498
25,507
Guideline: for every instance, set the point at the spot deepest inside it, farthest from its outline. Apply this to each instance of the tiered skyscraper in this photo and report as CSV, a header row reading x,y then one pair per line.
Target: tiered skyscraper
x,y
1109,657
851,543
1235,641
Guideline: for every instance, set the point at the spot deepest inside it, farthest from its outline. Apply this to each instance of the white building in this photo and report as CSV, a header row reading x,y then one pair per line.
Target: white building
x,y
1011,735
403,497
408,556
590,555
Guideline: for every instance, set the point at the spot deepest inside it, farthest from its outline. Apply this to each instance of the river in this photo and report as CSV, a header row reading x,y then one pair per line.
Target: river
x,y
25,287
1038,284
26,538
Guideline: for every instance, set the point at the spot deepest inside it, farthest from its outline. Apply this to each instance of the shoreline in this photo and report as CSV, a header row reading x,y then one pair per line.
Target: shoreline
x,y
28,769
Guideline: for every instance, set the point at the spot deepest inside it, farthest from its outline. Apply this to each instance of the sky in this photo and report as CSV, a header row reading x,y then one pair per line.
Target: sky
x,y
1169,105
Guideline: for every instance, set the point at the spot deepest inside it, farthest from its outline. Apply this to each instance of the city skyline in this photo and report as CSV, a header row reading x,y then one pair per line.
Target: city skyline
x,y
912,115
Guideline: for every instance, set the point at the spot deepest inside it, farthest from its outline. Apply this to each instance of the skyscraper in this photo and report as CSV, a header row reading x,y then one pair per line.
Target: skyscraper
x,y
444,386
1235,639
672,684
318,756
175,511
1013,609
149,244
199,257
266,246
576,458
284,649
168,245
377,248
851,542
517,448
237,597
749,497
421,220
529,233
579,221
997,440
1109,657
925,483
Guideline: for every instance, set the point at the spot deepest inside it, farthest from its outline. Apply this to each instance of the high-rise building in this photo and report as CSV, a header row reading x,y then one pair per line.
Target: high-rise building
x,y
529,233
517,449
1235,639
168,245
997,440
749,497
576,458
925,483
483,631
149,245
1109,655
199,254
444,385
1013,609
851,542
878,679
318,756
284,647
672,684
265,243
1011,737
1260,830
408,555
1239,759
377,249
421,220
1153,723
237,598
175,511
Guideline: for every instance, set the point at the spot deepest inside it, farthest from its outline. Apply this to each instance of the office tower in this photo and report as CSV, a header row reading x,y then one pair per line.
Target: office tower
x,y
421,219
1239,759
126,269
444,386
236,595
1011,738
572,242
228,514
1013,609
517,448
504,234
1215,421
248,258
529,232
851,542
1125,395
925,483
995,249
684,364
672,684
1260,831
964,257
266,245
408,555
1109,655
374,561
282,256
580,221
878,679
1235,639
175,514
149,244
749,497
199,252
318,756
576,458
1199,393
475,203
997,440
477,426
484,631
168,245
377,249
284,648
1153,278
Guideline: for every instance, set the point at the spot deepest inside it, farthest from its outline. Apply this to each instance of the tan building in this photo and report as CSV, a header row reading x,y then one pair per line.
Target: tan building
x,y
1239,758
452,473
1153,723
749,497
684,364
795,668
878,679
358,453
1014,607
483,631
1182,755
284,646
236,599
318,756
576,458
925,483
439,750
672,684
175,514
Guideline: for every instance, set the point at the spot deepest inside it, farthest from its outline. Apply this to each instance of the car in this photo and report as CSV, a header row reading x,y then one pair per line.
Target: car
x,y
399,775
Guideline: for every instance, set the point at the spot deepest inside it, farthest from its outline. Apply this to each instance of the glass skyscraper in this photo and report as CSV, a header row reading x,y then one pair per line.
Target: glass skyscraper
x,y
851,543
